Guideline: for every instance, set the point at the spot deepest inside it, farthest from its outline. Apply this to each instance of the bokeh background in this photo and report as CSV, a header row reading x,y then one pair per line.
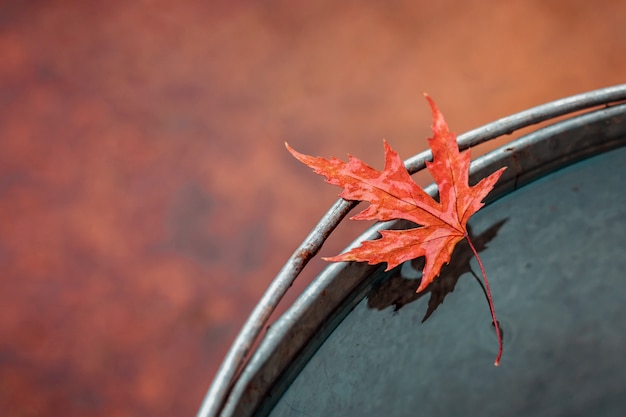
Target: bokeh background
x,y
146,198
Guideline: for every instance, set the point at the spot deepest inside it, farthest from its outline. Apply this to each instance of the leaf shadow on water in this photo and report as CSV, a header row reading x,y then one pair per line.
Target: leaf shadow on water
x,y
399,288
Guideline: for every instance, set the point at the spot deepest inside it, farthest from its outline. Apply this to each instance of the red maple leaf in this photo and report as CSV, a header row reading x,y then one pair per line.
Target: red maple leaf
x,y
393,194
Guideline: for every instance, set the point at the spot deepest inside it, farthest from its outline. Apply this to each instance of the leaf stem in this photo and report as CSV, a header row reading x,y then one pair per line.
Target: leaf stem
x,y
493,311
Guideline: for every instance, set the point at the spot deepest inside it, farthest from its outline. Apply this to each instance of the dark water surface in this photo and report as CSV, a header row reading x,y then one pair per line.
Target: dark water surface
x,y
556,267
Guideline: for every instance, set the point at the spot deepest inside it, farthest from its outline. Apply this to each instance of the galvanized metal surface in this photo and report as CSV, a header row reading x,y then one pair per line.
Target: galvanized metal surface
x,y
554,256
224,392
528,158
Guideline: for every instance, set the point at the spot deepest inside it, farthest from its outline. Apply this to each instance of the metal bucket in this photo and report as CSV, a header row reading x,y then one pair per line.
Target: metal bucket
x,y
552,236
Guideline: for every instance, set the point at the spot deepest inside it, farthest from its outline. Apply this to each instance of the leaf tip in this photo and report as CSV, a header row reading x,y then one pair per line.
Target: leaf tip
x,y
433,107
300,157
423,284
337,258
387,146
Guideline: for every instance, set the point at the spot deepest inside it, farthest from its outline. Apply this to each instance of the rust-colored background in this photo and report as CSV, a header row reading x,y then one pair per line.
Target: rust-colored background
x,y
146,198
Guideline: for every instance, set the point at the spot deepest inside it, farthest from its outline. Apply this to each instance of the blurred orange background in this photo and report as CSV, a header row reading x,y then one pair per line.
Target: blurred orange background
x,y
147,200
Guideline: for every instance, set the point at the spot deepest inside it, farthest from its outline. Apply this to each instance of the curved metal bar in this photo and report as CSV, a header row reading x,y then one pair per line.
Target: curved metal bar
x,y
296,334
509,124
235,358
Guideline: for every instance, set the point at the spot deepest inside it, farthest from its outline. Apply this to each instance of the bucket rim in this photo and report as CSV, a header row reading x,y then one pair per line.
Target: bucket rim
x,y
219,393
